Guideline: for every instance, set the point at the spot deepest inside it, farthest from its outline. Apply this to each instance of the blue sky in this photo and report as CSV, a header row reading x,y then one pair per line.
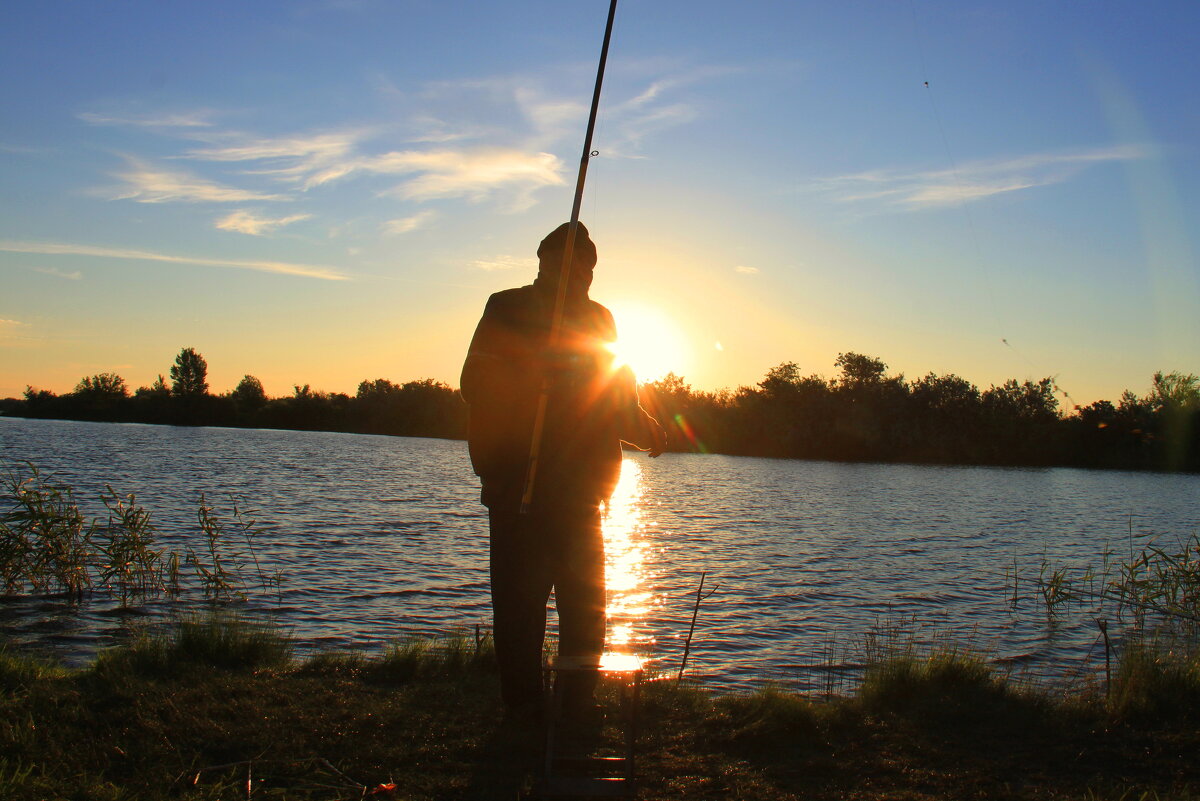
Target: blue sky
x,y
326,192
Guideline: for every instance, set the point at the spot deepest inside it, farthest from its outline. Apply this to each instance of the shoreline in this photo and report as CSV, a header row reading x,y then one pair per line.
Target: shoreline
x,y
672,449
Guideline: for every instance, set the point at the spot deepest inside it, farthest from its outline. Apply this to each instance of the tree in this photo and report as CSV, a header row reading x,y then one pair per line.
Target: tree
x,y
376,391
1175,390
858,369
249,393
102,385
781,379
32,394
1024,401
944,394
189,374
158,389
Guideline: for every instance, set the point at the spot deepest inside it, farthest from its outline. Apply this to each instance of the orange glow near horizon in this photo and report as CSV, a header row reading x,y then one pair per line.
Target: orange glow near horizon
x,y
625,560
649,342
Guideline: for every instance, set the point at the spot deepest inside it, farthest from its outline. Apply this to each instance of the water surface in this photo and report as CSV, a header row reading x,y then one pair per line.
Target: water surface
x,y
383,537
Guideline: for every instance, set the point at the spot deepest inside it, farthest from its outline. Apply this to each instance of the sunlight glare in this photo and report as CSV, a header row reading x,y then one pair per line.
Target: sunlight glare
x,y
625,559
649,342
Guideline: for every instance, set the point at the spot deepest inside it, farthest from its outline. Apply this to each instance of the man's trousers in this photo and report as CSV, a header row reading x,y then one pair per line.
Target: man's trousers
x,y
561,549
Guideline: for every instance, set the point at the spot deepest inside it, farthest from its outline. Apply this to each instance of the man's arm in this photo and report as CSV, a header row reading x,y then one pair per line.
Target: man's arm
x,y
637,426
497,359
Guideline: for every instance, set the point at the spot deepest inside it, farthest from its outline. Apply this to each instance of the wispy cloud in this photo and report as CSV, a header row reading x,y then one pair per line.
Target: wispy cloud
x,y
246,222
191,119
470,174
10,332
921,189
292,158
662,105
680,78
146,183
505,263
67,249
744,270
403,225
74,275
524,120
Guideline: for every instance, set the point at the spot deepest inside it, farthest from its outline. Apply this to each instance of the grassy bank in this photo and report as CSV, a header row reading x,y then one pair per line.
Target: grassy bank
x,y
219,709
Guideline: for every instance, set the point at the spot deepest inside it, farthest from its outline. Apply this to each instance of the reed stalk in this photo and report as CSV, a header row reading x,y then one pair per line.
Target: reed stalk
x,y
48,546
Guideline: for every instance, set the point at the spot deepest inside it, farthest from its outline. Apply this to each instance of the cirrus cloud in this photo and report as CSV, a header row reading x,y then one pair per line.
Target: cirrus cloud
x,y
192,119
146,183
505,263
246,222
74,275
70,249
495,137
403,225
974,180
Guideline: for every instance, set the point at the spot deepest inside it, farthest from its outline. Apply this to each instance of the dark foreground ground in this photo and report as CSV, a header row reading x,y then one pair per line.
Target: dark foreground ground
x,y
227,713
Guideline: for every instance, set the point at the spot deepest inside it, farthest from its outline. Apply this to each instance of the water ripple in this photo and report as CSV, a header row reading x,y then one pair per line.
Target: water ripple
x,y
380,538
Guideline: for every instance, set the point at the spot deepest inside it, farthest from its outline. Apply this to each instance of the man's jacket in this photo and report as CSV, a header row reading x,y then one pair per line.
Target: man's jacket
x,y
591,406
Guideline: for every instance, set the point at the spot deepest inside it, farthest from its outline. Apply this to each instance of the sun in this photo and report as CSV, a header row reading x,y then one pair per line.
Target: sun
x,y
649,342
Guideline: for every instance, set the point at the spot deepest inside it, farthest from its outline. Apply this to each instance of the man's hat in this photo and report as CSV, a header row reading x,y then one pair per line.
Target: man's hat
x,y
584,251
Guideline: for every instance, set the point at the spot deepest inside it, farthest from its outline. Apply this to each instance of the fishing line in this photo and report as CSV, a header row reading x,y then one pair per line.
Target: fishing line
x,y
980,261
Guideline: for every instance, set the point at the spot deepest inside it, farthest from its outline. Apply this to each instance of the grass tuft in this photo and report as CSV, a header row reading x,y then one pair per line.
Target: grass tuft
x,y
771,717
215,640
19,671
422,657
1153,682
947,684
334,663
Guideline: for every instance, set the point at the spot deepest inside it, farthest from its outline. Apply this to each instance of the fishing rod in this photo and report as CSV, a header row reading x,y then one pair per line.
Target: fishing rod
x,y
560,300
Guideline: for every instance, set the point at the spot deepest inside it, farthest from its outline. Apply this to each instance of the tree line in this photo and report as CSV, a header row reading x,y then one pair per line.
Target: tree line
x,y
424,408
860,414
863,414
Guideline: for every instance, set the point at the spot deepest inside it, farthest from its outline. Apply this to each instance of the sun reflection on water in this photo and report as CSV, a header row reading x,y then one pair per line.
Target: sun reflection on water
x,y
625,546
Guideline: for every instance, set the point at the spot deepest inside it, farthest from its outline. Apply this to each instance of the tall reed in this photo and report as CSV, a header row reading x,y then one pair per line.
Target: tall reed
x,y
1160,583
48,546
45,541
131,567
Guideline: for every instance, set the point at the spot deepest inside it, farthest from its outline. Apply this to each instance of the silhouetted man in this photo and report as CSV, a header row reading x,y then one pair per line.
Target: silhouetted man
x,y
591,407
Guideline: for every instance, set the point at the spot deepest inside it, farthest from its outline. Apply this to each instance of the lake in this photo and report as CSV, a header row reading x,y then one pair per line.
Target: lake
x,y
379,538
